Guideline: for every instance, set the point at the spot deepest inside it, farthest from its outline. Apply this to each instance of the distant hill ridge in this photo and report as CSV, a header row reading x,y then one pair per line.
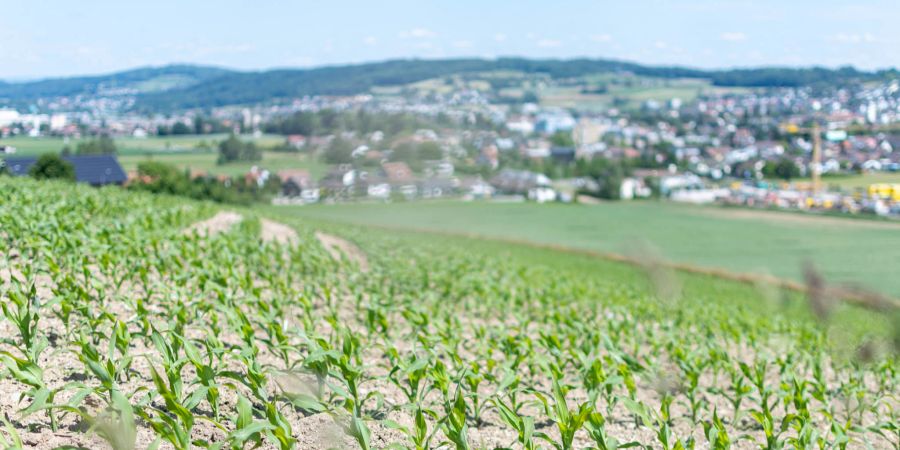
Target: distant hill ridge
x,y
183,86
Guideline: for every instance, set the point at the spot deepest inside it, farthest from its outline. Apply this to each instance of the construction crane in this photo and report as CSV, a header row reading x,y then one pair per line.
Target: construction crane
x,y
816,168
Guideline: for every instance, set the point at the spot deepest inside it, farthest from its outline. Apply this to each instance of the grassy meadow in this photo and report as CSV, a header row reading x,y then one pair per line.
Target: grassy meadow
x,y
630,97
206,161
844,250
622,91
28,146
188,152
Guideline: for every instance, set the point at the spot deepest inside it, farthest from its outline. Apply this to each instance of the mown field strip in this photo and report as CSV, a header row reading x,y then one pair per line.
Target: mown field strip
x,y
850,294
844,251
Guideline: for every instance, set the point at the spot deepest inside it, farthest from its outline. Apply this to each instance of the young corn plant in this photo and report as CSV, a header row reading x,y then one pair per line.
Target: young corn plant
x,y
568,422
359,431
318,362
806,435
172,362
175,422
279,430
736,393
409,375
254,378
522,425
716,433
454,423
117,425
772,430
247,431
596,428
23,310
9,436
472,379
207,371
419,436
757,376
597,381
654,422
692,367
351,375
108,370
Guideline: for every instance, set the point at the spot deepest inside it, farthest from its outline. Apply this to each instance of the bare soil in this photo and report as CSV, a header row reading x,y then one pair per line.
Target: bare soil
x,y
215,224
340,249
278,232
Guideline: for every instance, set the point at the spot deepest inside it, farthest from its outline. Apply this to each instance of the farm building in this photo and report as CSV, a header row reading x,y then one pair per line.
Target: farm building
x,y
96,170
294,182
536,186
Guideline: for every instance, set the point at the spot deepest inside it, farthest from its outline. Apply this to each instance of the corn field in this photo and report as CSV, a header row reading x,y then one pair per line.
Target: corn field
x,y
122,330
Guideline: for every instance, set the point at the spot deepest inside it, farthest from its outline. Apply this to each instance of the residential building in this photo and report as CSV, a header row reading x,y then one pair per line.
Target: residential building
x,y
96,170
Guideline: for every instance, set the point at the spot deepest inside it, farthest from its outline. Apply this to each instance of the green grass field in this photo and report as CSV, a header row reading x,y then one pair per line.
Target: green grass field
x,y
207,162
27,146
194,152
845,250
660,90
632,90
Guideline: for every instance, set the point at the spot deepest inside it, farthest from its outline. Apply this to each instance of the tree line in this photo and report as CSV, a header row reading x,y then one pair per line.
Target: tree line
x,y
161,178
100,145
253,87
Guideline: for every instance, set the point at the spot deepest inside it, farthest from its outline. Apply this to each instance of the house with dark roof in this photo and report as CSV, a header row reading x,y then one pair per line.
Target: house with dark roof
x,y
563,155
294,181
96,170
341,182
536,186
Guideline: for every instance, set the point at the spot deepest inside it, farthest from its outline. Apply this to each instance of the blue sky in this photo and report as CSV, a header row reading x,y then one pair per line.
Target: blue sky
x,y
42,38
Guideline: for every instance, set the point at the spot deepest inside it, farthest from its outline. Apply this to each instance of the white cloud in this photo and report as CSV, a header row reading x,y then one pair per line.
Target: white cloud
x,y
418,33
853,38
734,36
499,37
549,43
661,44
601,38
370,40
83,50
422,33
463,44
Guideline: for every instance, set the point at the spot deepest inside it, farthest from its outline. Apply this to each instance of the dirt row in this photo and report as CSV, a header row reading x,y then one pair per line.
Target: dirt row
x,y
340,249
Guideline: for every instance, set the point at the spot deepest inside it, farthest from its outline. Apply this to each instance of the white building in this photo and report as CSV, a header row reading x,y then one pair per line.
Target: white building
x,y
381,191
58,122
9,117
523,126
542,194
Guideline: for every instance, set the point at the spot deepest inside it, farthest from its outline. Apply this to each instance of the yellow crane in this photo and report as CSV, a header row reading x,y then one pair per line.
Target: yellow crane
x,y
816,134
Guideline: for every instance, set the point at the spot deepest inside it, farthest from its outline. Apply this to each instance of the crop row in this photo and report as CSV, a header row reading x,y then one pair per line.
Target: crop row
x,y
121,330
